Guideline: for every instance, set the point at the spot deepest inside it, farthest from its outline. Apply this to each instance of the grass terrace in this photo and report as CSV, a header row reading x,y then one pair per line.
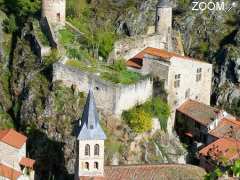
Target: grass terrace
x,y
116,73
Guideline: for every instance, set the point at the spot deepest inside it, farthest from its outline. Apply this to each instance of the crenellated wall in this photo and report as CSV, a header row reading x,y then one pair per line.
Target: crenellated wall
x,y
111,98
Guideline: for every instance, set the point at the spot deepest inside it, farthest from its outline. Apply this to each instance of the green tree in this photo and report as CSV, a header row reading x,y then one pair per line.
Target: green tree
x,y
10,24
161,110
236,168
23,7
138,120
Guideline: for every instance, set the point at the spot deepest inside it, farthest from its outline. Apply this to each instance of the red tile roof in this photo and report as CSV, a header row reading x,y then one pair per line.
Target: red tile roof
x,y
227,128
146,172
199,112
27,162
136,61
222,148
9,173
12,138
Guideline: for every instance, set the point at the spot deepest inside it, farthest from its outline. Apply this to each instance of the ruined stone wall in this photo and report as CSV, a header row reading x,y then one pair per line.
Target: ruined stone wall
x,y
54,10
156,67
111,98
129,47
46,26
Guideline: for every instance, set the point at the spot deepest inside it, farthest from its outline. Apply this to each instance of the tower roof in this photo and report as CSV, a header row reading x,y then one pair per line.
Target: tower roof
x,y
164,3
90,128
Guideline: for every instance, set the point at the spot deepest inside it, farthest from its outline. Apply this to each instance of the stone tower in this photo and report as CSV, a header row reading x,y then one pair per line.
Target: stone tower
x,y
54,10
90,159
163,24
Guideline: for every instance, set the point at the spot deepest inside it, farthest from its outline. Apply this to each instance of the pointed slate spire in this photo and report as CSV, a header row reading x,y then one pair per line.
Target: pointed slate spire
x,y
90,128
163,3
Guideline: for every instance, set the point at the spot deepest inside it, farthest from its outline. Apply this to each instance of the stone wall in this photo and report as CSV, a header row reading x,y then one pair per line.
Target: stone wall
x,y
54,10
82,171
46,26
129,47
111,98
38,48
197,90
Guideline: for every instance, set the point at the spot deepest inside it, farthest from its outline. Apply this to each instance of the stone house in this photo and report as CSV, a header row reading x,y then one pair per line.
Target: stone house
x,y
14,164
90,155
222,152
216,133
183,78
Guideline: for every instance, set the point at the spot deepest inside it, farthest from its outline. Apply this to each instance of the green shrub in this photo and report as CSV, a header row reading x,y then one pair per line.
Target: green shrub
x,y
10,24
154,108
138,120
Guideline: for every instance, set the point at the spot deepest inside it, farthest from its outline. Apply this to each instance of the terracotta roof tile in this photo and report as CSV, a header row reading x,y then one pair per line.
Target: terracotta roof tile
x,y
227,128
199,112
9,173
222,148
27,162
13,138
136,61
153,172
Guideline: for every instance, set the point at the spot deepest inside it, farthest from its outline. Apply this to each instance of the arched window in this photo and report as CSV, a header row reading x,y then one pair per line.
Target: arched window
x,y
87,165
96,165
87,150
96,150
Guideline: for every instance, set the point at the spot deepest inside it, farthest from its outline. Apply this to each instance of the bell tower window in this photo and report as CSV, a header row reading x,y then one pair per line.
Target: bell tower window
x,y
96,166
58,16
87,150
96,150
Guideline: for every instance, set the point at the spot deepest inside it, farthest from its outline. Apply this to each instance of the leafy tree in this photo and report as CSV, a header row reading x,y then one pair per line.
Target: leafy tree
x,y
138,120
23,7
10,24
161,110
236,168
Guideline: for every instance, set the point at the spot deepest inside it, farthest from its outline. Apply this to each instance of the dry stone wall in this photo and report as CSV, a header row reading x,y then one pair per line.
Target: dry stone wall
x,y
111,98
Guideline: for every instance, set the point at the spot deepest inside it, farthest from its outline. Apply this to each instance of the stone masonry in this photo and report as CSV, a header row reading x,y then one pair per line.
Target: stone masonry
x,y
54,10
111,98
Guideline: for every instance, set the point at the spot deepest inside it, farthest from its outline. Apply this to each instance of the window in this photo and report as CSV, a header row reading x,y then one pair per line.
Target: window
x,y
187,94
91,126
86,165
87,150
96,166
177,80
58,16
199,74
158,18
96,150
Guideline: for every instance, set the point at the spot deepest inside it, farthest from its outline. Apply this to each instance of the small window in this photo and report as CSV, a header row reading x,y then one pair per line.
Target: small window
x,y
91,126
187,94
199,74
96,166
97,88
158,18
58,16
96,150
86,165
177,80
87,150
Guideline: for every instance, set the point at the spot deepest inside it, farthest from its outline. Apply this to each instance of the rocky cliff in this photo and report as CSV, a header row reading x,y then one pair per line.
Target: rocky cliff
x,y
48,112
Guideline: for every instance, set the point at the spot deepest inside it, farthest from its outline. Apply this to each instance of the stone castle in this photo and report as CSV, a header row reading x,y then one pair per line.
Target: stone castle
x,y
182,77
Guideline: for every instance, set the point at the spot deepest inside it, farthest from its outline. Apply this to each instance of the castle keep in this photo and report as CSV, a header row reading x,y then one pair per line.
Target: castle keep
x,y
54,11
